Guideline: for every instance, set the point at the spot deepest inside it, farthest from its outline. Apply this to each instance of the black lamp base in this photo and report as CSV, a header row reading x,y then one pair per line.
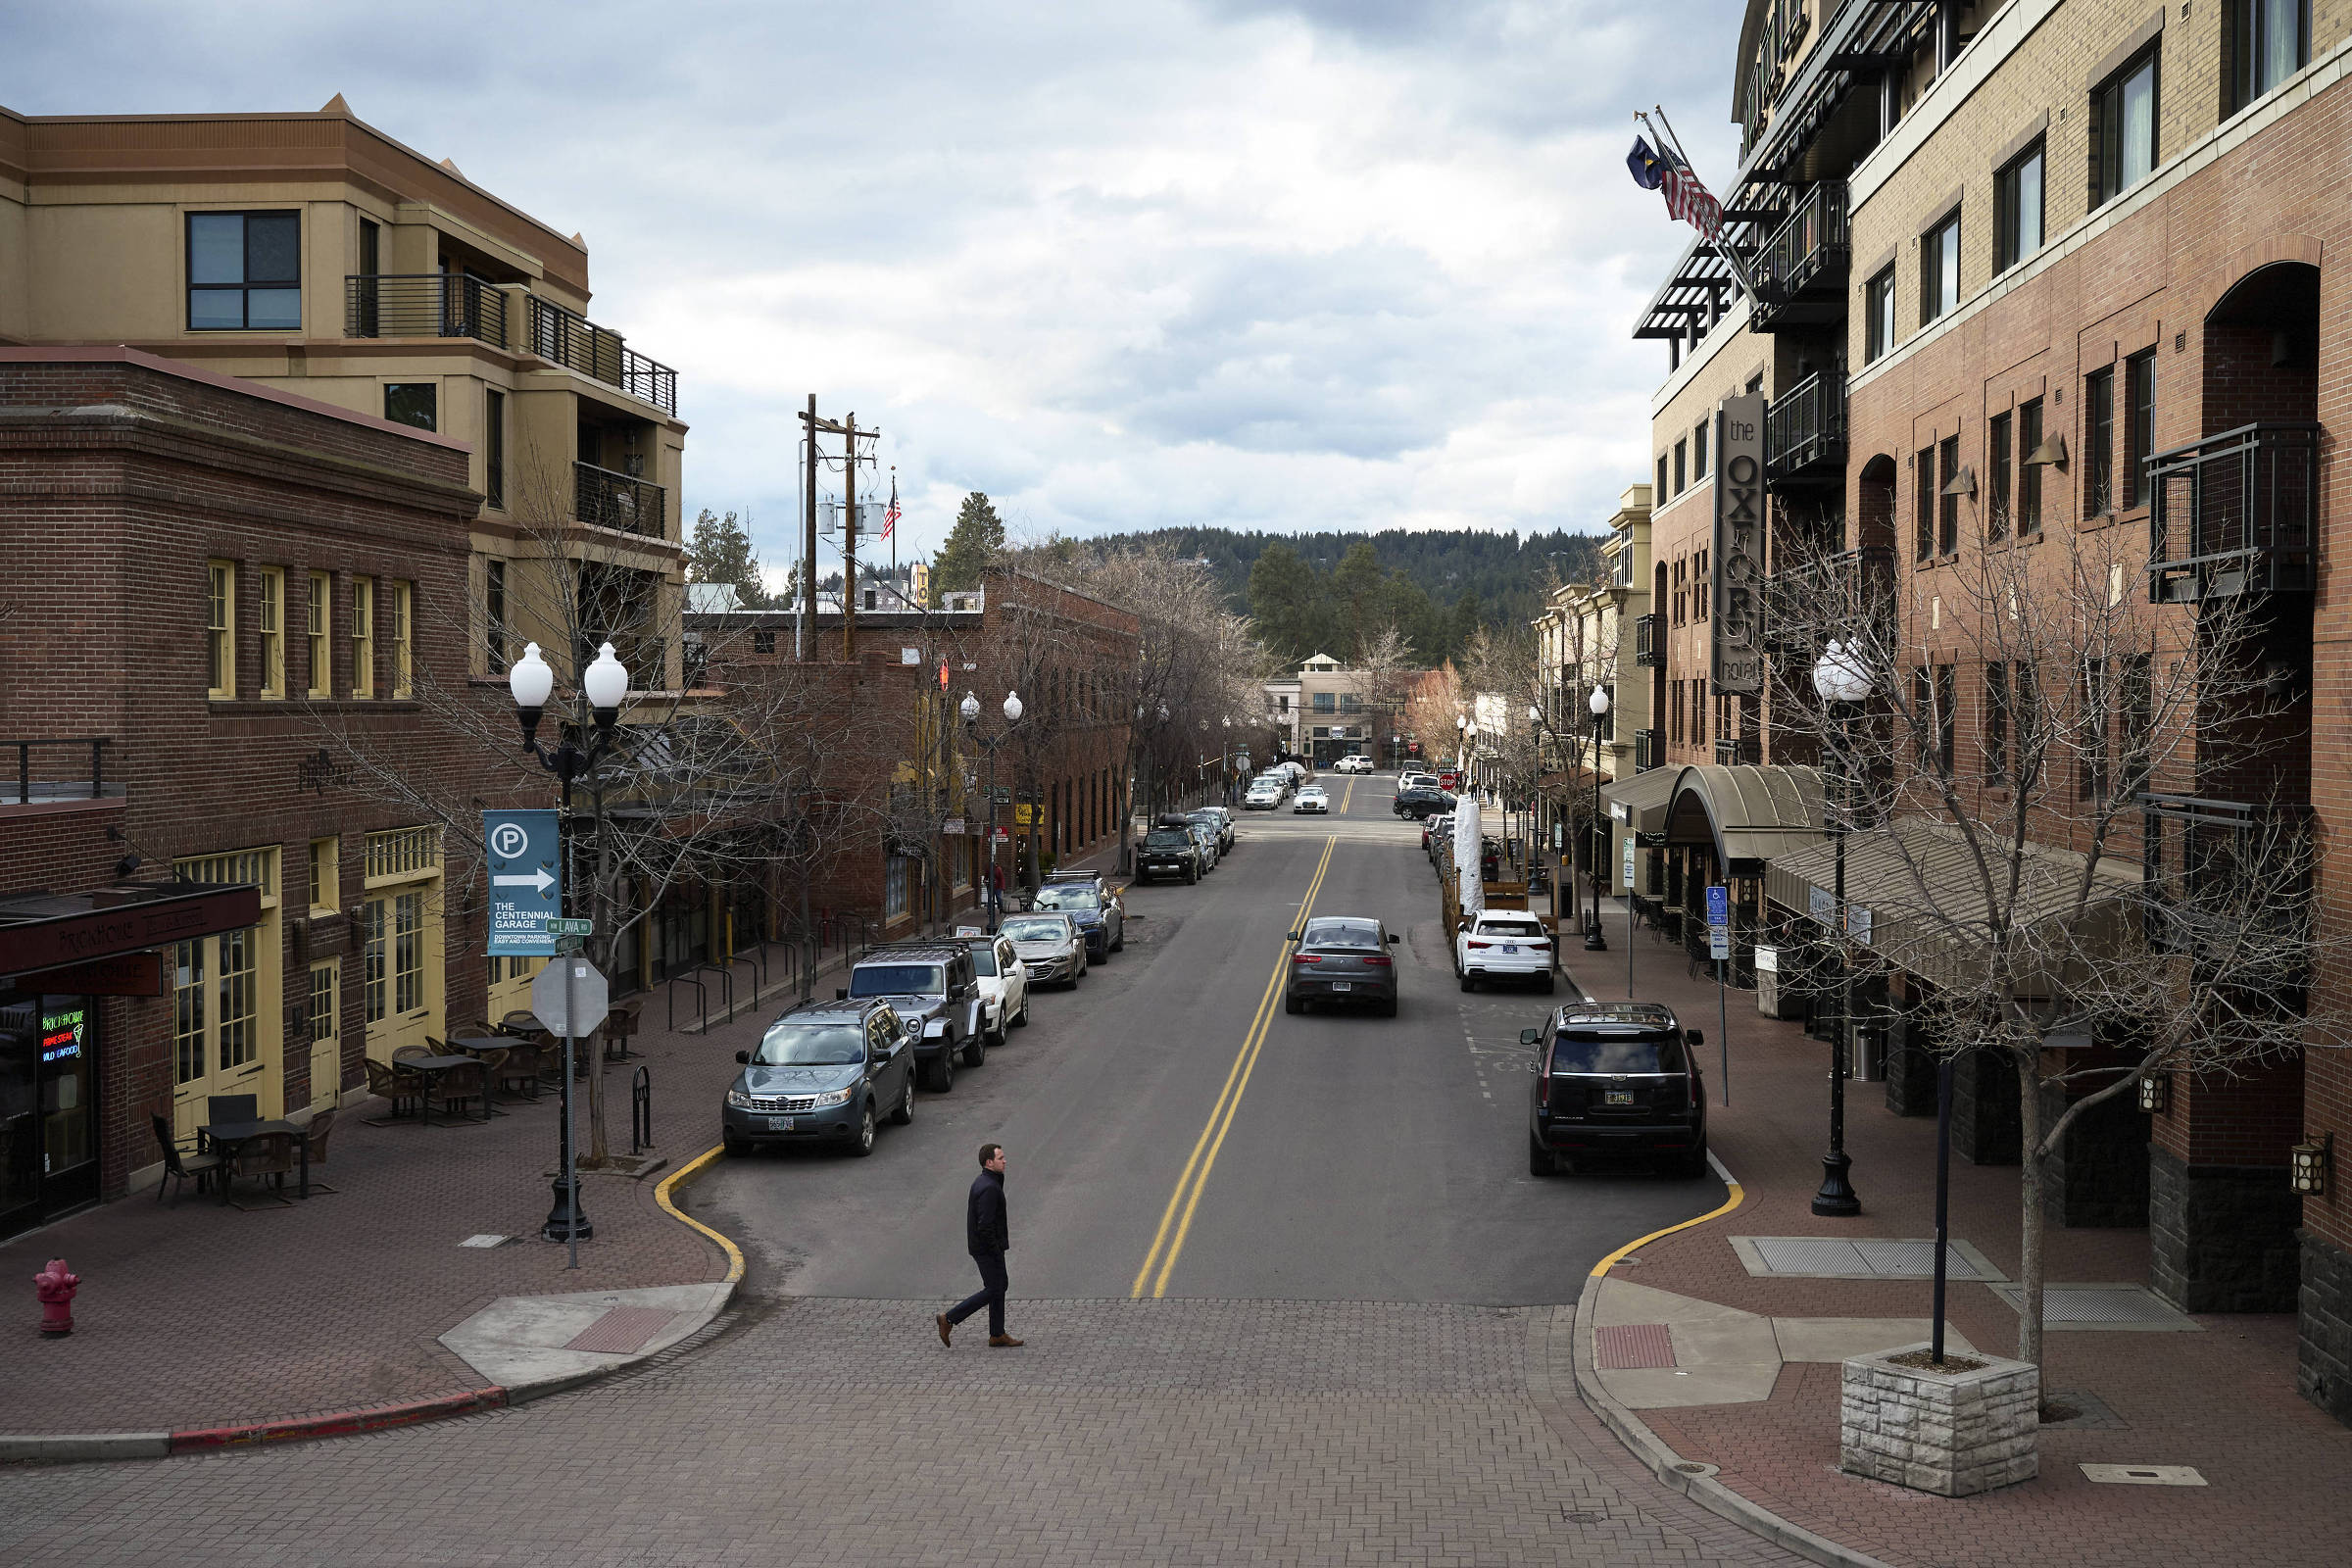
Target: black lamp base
x,y
567,1203
1837,1199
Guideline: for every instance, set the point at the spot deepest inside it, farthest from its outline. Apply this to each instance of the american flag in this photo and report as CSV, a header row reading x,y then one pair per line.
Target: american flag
x,y
889,518
1687,200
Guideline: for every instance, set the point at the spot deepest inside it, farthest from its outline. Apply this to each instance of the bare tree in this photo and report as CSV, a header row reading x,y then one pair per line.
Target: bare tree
x,y
2057,883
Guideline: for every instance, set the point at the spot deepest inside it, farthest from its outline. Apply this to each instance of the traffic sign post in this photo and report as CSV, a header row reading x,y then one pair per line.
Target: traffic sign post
x,y
1719,948
569,999
525,852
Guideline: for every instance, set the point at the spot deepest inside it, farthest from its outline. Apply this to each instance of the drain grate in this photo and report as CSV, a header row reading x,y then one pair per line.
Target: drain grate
x,y
2101,1306
2143,1475
1835,1259
1623,1346
624,1331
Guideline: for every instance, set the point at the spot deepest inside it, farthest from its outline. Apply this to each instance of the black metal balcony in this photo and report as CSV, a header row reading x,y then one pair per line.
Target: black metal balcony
x,y
1802,270
424,305
1649,640
2209,865
1805,432
2234,514
1825,596
574,341
612,499
57,770
1650,749
1736,751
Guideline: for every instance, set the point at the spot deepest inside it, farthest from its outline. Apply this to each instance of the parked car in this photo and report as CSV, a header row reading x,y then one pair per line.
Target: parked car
x,y
1169,851
1616,1078
1502,944
1206,835
1299,771
936,994
1421,802
1004,985
1312,800
1264,795
1342,959
1413,779
1353,762
1434,826
823,1072
1093,904
1223,821
1050,947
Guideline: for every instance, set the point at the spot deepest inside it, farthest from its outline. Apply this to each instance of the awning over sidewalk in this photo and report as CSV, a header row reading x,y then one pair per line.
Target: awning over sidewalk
x,y
1749,814
42,931
1640,802
1916,895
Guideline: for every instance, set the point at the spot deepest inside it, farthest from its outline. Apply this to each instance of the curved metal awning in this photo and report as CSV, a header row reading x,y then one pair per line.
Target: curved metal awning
x,y
1748,814
1640,802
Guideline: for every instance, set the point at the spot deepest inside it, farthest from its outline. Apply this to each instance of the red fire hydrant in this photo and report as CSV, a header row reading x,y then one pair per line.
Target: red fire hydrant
x,y
55,1286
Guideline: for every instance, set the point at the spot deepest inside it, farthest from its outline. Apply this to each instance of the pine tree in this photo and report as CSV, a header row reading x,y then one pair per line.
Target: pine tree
x,y
972,545
721,552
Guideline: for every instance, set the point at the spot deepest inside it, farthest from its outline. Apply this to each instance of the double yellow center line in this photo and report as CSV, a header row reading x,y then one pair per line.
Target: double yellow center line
x,y
1176,1221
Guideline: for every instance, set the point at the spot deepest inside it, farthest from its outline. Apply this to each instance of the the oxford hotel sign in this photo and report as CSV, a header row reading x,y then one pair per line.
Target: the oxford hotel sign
x,y
1739,554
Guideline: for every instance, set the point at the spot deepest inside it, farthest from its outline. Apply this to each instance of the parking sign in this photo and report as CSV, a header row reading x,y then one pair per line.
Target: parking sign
x,y
526,882
1719,921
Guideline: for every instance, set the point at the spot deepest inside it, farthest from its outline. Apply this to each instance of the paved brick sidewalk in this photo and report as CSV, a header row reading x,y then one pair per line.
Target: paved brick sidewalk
x,y
2222,1400
197,1314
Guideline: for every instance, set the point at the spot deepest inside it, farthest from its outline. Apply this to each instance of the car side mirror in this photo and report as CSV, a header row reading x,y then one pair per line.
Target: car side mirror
x,y
1693,1037
1394,939
1528,1037
1297,935
841,992
743,1058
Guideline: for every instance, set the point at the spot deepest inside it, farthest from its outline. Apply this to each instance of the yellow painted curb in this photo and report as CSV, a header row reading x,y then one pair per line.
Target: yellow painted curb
x,y
1629,1248
734,1252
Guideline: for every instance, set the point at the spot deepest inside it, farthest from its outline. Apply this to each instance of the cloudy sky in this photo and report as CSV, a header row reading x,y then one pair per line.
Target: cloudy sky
x,y
1120,264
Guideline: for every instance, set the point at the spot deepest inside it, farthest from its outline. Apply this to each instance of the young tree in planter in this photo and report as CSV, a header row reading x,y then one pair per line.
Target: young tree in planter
x,y
2076,820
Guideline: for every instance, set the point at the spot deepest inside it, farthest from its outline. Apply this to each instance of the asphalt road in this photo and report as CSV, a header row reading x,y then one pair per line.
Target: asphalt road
x,y
1354,1157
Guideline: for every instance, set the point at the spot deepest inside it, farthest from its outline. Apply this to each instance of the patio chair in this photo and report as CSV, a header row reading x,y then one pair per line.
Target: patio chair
x,y
272,1154
388,1082
230,1108
457,1085
398,1051
322,1127
517,1068
200,1167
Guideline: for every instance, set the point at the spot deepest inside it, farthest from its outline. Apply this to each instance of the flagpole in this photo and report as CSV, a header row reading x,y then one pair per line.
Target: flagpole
x,y
894,535
1722,241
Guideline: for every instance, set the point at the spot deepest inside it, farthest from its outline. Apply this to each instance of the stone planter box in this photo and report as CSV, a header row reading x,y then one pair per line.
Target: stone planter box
x,y
1954,1434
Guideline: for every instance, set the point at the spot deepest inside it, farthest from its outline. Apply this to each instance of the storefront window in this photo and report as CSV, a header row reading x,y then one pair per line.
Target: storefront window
x,y
48,1125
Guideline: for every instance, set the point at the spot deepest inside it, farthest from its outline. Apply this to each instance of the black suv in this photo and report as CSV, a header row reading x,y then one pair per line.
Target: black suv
x,y
1616,1078
935,991
1169,851
1420,800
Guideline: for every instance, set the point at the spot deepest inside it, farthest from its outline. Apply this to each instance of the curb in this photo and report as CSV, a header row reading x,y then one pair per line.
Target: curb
x,y
1695,1481
67,1447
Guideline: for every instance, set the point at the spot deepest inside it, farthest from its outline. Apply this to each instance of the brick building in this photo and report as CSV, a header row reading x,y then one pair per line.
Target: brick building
x,y
2048,279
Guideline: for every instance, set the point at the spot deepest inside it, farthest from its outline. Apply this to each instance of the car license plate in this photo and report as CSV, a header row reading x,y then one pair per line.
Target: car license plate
x,y
1617,1097
779,1124
1510,947
1339,985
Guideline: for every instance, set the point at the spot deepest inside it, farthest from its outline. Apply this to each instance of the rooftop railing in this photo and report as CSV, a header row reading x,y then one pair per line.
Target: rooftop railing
x,y
424,305
44,771
572,340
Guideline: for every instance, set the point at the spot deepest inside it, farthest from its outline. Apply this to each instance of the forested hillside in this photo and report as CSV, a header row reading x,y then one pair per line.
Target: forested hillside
x,y
1329,592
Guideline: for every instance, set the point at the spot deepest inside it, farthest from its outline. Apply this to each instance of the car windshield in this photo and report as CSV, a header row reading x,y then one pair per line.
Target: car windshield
x,y
811,1045
1583,1051
896,980
1053,898
1168,840
1342,934
1036,930
1208,819
984,961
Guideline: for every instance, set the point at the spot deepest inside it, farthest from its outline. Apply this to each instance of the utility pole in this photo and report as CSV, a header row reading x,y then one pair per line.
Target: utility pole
x,y
807,646
848,546
847,430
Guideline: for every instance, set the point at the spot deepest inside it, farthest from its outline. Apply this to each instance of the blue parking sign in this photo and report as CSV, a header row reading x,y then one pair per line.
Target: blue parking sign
x,y
1719,921
524,849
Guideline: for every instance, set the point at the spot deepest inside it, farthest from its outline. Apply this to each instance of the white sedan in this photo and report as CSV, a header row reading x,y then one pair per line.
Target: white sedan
x,y
1003,986
1502,944
1312,799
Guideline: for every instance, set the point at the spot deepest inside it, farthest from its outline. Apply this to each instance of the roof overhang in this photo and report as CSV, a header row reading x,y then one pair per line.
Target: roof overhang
x,y
55,931
1641,801
1748,814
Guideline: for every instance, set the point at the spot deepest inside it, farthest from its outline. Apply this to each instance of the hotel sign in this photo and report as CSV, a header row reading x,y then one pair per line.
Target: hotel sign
x,y
1738,654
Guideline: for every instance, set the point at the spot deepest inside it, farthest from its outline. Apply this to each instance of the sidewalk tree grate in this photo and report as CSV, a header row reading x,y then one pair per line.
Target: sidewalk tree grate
x,y
1624,1347
1830,1257
624,1331
2101,1306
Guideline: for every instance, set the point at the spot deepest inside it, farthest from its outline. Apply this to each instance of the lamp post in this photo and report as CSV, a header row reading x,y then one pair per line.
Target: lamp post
x,y
970,709
1598,703
1840,680
606,685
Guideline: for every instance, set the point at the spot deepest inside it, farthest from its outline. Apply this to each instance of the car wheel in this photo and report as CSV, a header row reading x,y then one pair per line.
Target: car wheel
x,y
1390,1011
1541,1160
1469,982
1020,1019
975,1051
736,1147
1191,875
905,1112
862,1141
1550,985
1292,1004
1695,1164
940,1075
1121,946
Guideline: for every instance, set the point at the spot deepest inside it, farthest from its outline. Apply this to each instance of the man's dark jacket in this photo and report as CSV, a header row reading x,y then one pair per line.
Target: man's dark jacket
x,y
984,1227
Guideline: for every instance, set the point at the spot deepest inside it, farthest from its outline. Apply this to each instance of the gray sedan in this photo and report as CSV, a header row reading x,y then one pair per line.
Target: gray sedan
x,y
1342,958
1052,947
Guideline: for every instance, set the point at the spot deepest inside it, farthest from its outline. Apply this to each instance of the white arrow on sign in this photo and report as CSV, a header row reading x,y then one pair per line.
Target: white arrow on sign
x,y
539,881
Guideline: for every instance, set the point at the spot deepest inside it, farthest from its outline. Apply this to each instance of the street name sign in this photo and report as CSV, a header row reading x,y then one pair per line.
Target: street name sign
x,y
525,852
563,927
570,999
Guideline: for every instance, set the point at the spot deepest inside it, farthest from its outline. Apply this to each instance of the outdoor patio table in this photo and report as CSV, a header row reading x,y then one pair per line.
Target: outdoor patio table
x,y
225,1137
433,1067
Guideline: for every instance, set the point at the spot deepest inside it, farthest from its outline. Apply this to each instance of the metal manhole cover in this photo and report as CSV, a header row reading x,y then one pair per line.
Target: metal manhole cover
x,y
1806,1254
2099,1306
1914,1261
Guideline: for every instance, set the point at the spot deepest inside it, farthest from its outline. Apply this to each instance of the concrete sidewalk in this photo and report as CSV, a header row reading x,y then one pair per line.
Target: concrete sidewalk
x,y
1718,1345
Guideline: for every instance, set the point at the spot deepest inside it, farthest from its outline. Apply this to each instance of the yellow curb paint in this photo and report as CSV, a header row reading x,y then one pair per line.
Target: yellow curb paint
x,y
661,1197
1629,1248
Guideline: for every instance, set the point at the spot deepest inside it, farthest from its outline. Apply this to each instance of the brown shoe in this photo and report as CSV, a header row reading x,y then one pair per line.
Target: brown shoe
x,y
1002,1341
947,1331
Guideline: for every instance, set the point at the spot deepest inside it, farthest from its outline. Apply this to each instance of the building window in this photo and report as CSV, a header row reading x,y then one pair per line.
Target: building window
x,y
2098,442
1996,464
1664,495
897,882
1946,698
273,631
2017,210
362,637
403,674
1923,482
2124,114
1698,450
1996,724
1948,503
1326,703
494,449
244,271
2028,473
221,630
321,1011
2093,783
325,892
1878,316
2138,705
2139,424
2270,40
1682,463
415,403
1699,585
494,613
1939,269
316,613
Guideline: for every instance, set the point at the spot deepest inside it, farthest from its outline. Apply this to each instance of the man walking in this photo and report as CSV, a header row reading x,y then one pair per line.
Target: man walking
x,y
986,1238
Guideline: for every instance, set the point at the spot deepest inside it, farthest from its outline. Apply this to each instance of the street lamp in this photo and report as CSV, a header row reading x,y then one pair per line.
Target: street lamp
x,y
1598,703
606,685
1841,680
970,709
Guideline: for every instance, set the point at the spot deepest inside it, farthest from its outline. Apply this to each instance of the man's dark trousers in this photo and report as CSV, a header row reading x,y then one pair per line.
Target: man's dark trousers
x,y
990,1295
